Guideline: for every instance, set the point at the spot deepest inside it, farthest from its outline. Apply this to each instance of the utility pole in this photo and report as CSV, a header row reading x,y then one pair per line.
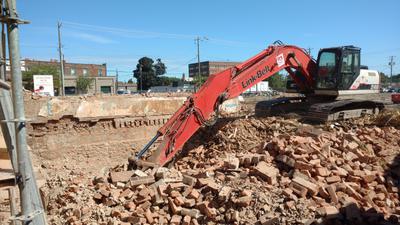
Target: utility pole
x,y
391,64
309,51
61,57
198,39
116,83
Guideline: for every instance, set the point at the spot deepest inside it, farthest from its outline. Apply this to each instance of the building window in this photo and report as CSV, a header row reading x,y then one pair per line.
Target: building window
x,y
70,90
85,72
100,72
73,72
105,89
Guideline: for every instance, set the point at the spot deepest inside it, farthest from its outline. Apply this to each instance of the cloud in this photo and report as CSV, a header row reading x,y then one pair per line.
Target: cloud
x,y
89,37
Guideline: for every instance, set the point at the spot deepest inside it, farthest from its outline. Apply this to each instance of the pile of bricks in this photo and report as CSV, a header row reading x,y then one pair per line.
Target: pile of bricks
x,y
252,171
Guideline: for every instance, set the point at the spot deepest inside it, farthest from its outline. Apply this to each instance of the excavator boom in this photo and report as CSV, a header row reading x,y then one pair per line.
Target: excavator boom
x,y
203,105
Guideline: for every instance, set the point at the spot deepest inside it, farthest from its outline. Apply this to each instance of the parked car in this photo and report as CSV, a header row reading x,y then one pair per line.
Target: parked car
x,y
396,97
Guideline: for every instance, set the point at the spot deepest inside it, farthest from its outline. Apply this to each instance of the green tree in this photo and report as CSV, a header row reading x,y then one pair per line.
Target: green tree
x,y
83,84
130,81
199,80
27,76
169,81
147,73
277,81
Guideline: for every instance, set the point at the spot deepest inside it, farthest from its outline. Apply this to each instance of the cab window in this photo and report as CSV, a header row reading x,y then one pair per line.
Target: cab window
x,y
349,69
327,70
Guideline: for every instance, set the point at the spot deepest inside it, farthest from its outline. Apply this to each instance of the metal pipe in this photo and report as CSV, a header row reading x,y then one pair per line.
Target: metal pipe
x,y
148,145
30,201
13,208
2,46
4,84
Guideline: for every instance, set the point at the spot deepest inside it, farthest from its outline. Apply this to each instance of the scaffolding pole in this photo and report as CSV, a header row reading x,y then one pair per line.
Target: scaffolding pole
x,y
31,205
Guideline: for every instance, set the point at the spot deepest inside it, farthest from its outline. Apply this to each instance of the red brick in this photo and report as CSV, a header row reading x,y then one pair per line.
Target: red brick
x,y
189,202
332,193
189,180
333,179
104,192
224,194
302,165
298,189
149,216
243,201
311,187
162,190
322,171
213,186
369,178
135,181
287,192
209,212
122,176
194,194
232,163
127,193
175,220
130,206
174,209
352,145
186,220
145,192
194,222
179,201
97,196
267,172
330,212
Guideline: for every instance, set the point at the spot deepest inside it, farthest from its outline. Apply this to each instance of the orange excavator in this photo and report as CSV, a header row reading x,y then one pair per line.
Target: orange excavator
x,y
335,72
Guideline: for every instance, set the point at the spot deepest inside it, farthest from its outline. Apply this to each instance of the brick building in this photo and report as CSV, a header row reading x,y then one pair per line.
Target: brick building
x,y
124,87
101,82
209,67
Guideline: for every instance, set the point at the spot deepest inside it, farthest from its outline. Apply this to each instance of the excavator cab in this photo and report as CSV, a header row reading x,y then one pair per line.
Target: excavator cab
x,y
337,70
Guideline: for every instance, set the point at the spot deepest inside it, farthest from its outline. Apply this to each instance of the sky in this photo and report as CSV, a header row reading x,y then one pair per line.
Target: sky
x,y
121,32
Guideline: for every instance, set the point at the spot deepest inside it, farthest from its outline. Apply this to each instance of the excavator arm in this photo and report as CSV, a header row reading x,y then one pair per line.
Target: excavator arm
x,y
202,106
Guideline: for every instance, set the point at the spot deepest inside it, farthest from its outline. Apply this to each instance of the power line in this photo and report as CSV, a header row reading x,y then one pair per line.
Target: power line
x,y
132,33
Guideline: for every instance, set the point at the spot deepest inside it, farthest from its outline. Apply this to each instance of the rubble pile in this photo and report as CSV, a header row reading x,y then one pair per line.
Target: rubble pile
x,y
388,118
251,171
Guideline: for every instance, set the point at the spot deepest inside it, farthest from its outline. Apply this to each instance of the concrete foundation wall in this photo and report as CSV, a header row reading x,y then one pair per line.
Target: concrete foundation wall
x,y
96,131
94,107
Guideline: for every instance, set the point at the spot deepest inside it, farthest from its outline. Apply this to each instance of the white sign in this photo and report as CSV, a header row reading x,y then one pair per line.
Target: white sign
x,y
43,85
259,87
280,60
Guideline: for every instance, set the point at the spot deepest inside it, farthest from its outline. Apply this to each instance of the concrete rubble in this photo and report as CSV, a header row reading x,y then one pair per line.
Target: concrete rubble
x,y
249,171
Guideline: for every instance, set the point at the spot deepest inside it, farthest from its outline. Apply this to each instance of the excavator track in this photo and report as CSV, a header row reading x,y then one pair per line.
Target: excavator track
x,y
342,109
314,111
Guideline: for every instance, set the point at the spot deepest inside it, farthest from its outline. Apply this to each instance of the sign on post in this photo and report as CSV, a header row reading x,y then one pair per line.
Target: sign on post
x,y
43,85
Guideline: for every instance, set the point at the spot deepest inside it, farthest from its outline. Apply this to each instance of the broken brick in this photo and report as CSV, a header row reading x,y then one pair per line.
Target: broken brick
x,y
122,176
266,172
311,187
